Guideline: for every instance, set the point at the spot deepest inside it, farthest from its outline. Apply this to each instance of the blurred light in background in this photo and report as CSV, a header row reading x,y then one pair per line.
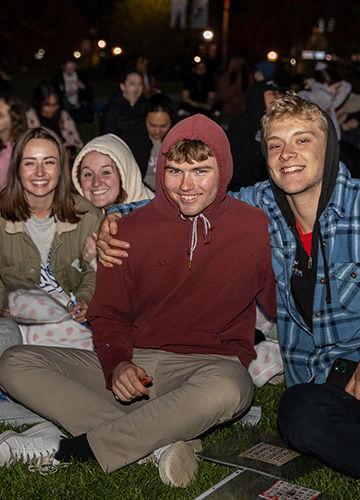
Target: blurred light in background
x,y
101,44
116,51
315,55
272,56
208,35
77,54
292,61
197,59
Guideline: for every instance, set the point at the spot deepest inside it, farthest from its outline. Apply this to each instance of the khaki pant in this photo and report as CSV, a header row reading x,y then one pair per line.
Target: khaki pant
x,y
190,394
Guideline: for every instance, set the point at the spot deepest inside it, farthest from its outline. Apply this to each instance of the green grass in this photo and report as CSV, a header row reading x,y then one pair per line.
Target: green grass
x,y
87,481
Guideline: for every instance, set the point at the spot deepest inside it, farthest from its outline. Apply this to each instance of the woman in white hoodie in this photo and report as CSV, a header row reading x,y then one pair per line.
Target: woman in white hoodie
x,y
105,172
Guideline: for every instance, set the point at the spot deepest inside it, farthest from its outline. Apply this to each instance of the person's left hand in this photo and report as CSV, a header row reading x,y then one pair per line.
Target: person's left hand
x,y
353,386
78,311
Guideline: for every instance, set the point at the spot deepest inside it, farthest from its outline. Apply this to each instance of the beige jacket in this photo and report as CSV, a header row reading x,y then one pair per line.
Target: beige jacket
x,y
20,260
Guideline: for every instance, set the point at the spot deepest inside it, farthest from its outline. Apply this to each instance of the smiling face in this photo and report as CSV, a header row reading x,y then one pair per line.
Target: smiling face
x,y
132,87
99,179
193,186
296,155
39,172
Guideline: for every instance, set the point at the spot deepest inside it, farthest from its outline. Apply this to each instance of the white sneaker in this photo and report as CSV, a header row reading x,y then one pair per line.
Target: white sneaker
x,y
33,445
178,464
154,457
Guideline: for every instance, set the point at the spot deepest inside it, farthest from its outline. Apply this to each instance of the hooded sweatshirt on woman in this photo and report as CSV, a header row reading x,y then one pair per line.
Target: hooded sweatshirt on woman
x,y
155,301
120,153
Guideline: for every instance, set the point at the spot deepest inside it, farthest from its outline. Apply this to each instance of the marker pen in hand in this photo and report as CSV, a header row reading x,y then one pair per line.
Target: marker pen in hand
x,y
73,301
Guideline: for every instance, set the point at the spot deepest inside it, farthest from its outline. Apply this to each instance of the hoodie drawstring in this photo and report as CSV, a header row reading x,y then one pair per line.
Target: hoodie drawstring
x,y
326,269
194,238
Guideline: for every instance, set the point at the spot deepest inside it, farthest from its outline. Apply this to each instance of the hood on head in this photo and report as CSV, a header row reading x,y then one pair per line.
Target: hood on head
x,y
197,127
120,153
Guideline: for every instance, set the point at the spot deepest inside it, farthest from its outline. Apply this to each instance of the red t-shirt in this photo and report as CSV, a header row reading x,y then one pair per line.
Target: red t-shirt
x,y
306,239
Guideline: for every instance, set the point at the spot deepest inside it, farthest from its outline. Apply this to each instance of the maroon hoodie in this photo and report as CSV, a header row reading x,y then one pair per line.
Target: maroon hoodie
x,y
155,301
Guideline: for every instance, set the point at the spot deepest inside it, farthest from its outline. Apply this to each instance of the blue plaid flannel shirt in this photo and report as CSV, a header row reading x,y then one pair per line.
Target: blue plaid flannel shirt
x,y
308,355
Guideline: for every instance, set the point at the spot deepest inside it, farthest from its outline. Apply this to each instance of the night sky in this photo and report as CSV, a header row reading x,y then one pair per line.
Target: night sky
x,y
256,26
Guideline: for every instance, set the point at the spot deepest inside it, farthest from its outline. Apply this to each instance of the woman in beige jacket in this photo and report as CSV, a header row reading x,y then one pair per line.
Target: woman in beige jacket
x,y
43,228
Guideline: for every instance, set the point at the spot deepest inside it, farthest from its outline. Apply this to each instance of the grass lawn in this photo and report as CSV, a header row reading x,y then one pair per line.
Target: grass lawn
x,y
87,481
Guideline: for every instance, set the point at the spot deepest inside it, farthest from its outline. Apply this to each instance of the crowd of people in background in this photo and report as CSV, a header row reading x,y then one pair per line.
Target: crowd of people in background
x,y
55,192
140,113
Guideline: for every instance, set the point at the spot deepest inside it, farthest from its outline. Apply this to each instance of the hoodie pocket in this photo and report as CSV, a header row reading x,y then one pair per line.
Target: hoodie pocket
x,y
347,277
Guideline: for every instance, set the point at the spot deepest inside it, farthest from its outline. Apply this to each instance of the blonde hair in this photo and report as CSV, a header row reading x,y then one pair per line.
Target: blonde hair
x,y
292,106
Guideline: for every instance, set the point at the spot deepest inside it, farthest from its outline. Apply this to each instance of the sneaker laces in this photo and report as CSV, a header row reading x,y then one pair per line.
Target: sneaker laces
x,y
38,462
45,463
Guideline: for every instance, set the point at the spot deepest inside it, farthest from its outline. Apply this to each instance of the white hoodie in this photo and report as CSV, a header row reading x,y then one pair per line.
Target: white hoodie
x,y
120,153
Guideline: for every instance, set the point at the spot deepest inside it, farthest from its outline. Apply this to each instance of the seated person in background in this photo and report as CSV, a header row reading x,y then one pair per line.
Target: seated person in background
x,y
173,326
149,82
244,134
232,86
329,91
124,114
43,228
12,124
46,111
264,70
76,94
145,142
105,172
198,92
348,115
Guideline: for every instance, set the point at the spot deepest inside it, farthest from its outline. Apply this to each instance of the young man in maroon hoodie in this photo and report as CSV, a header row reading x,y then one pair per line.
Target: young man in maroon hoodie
x,y
173,326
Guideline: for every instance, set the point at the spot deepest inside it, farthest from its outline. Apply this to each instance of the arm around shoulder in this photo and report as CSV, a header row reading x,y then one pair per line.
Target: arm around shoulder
x,y
252,195
266,297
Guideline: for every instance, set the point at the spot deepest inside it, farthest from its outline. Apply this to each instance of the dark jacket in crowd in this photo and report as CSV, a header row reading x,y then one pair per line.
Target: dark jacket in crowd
x,y
128,123
244,137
